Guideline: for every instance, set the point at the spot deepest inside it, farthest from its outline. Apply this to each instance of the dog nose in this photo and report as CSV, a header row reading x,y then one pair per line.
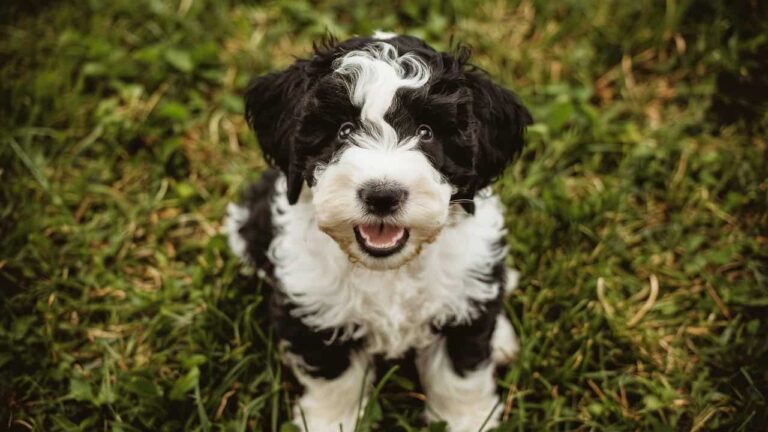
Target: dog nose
x,y
382,198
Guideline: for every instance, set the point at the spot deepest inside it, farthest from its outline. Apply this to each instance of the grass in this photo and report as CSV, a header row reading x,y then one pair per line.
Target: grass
x,y
637,214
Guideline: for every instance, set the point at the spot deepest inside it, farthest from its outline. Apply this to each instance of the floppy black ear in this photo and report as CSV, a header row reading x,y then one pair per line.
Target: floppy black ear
x,y
500,129
273,105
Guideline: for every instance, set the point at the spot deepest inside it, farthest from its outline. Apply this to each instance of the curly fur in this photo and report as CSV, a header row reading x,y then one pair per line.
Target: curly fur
x,y
336,307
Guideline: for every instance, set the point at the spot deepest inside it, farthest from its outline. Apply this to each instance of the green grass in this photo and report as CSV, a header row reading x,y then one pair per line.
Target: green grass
x,y
637,214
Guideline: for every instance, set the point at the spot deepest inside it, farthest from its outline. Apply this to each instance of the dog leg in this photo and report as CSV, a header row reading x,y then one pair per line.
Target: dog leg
x,y
334,373
464,400
333,405
457,371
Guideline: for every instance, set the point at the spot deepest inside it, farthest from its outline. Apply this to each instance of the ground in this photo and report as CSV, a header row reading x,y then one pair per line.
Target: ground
x,y
637,214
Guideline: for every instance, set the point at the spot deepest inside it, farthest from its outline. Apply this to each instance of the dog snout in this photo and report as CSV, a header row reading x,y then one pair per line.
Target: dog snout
x,y
382,198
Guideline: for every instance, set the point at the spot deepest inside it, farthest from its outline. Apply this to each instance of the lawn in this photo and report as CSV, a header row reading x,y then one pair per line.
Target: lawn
x,y
637,215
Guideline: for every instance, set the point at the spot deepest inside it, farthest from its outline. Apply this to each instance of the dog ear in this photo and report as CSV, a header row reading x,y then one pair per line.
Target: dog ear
x,y
273,103
500,129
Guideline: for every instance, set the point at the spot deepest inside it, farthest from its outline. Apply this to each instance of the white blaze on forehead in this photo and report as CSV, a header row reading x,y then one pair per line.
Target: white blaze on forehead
x,y
374,75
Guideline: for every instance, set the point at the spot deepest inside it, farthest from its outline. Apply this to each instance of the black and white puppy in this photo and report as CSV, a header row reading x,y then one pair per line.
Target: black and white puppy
x,y
378,228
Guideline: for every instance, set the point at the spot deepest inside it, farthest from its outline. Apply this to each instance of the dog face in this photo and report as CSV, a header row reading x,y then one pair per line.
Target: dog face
x,y
387,136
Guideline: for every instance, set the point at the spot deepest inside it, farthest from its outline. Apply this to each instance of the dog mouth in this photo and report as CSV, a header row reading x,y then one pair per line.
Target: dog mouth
x,y
381,240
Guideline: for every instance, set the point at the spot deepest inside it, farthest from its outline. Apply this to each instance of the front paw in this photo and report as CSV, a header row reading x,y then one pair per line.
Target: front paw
x,y
468,416
504,343
313,418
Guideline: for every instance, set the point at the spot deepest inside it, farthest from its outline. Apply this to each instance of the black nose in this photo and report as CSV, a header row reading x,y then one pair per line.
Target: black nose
x,y
382,198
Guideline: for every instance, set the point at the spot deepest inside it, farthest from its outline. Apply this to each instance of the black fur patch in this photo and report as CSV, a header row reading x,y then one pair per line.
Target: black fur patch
x,y
324,356
469,345
257,231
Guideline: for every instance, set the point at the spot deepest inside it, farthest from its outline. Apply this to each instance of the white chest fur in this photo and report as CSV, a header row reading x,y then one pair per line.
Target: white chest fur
x,y
394,310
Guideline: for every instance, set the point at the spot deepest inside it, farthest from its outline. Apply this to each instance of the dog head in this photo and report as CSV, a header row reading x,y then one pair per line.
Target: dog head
x,y
386,137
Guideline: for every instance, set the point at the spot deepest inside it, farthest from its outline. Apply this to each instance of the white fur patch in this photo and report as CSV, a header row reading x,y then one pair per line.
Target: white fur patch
x,y
504,344
463,402
337,209
235,218
513,279
373,75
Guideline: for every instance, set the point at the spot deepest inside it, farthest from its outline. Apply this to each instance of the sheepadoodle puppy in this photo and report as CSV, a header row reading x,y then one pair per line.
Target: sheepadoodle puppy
x,y
377,228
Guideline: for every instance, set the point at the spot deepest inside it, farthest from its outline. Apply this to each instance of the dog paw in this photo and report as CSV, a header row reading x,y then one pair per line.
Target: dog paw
x,y
470,416
504,344
233,221
314,420
513,277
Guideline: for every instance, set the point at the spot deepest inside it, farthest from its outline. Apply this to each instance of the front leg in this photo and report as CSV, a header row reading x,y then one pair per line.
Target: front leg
x,y
457,371
332,404
335,375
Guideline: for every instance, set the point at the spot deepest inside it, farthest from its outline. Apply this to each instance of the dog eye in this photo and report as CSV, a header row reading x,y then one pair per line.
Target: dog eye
x,y
346,130
425,133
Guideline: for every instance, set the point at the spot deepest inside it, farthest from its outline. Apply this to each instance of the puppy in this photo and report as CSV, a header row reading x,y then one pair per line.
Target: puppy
x,y
377,227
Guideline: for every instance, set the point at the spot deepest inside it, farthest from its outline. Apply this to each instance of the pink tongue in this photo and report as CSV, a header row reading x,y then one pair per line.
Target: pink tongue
x,y
379,236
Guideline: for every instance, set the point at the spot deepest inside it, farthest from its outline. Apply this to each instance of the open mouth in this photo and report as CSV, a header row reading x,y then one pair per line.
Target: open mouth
x,y
381,240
